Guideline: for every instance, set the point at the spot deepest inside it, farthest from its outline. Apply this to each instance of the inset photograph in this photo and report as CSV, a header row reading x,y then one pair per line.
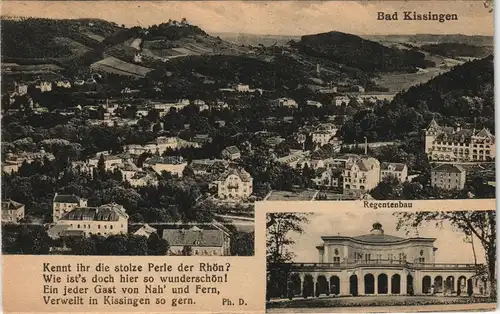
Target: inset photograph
x,y
381,261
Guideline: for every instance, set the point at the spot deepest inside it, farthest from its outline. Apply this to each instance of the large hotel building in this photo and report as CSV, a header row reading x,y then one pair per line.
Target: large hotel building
x,y
458,145
380,264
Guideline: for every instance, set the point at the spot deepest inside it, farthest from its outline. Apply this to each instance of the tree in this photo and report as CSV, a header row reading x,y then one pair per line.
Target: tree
x,y
33,240
157,245
137,245
279,226
187,250
243,244
481,224
101,166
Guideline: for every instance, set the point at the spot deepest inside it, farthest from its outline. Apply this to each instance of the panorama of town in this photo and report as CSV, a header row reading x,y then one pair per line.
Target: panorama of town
x,y
159,140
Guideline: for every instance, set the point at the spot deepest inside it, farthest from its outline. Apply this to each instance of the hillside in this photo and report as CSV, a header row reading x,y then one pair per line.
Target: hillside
x,y
360,53
421,39
466,89
454,50
462,96
47,38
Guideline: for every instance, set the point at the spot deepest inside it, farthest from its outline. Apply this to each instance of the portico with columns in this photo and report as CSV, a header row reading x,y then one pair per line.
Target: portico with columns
x,y
380,264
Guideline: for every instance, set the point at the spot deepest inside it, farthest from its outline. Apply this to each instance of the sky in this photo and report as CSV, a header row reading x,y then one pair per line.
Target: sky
x,y
270,17
450,244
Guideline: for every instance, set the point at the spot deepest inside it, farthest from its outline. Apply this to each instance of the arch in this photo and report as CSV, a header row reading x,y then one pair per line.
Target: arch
x,y
369,284
438,284
353,285
470,290
347,186
409,285
382,284
426,285
334,285
308,286
461,285
449,285
321,286
396,284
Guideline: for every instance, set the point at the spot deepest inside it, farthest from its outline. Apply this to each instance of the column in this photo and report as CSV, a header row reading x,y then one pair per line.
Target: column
x,y
361,284
375,284
314,281
345,284
328,292
302,276
389,283
404,284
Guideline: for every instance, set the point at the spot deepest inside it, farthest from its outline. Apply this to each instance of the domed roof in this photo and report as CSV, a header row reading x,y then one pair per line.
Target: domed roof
x,y
377,235
378,238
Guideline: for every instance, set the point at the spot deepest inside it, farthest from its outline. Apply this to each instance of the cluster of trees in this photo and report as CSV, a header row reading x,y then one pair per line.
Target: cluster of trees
x,y
280,228
360,53
35,37
462,96
453,50
473,224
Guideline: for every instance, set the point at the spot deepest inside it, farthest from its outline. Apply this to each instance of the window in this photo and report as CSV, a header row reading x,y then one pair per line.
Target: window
x,y
111,227
98,226
421,260
368,257
336,259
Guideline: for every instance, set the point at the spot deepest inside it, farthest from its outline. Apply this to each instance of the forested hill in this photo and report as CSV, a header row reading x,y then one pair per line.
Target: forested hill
x,y
48,38
465,90
460,96
453,50
364,54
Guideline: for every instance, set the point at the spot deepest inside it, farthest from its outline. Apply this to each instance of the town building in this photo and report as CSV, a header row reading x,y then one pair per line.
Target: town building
x,y
111,162
202,106
448,177
13,161
396,170
63,203
196,241
63,84
105,220
314,103
12,212
322,137
286,102
144,231
21,89
143,178
242,88
234,184
361,174
172,164
43,86
458,145
380,264
231,153
205,166
339,100
329,179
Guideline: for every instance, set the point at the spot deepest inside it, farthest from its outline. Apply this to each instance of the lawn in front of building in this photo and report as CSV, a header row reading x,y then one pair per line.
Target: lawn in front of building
x,y
368,301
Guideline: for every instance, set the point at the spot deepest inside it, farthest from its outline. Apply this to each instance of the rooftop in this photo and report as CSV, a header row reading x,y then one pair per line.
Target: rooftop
x,y
194,236
11,205
109,212
66,198
448,168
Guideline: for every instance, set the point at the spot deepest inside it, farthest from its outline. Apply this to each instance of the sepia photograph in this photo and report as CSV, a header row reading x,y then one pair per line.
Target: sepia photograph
x,y
388,261
120,126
